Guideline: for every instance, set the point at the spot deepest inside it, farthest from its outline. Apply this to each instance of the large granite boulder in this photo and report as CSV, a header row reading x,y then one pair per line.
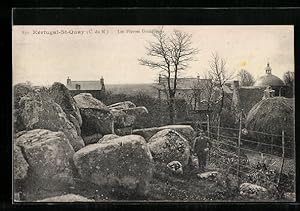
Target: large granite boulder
x,y
185,130
96,117
122,105
253,191
20,90
61,95
49,155
67,198
86,100
20,165
92,139
147,133
126,117
39,111
168,145
123,164
107,138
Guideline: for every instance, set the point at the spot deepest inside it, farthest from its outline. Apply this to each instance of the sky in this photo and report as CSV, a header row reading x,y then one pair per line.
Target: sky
x,y
47,54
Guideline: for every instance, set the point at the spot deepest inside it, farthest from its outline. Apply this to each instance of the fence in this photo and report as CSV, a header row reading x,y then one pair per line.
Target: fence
x,y
230,148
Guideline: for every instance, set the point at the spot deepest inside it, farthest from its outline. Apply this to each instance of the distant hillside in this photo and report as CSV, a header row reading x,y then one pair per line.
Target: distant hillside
x,y
132,89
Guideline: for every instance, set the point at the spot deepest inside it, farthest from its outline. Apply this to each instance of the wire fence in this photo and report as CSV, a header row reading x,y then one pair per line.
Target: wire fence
x,y
230,147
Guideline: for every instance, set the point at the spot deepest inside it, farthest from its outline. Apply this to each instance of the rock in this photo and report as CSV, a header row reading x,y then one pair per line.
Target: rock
x,y
38,111
147,133
210,175
185,130
67,198
168,145
61,95
175,167
126,117
107,138
49,155
19,163
252,191
289,196
20,90
96,121
123,131
92,139
122,105
124,164
96,117
86,100
137,111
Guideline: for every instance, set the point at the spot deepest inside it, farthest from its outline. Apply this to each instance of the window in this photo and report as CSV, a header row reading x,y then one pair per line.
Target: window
x,y
77,86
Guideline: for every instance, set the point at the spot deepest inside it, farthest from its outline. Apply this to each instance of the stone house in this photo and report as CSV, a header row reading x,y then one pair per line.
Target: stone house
x,y
96,88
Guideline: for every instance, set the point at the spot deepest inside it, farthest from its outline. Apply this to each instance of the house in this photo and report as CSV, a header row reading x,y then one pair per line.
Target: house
x,y
96,88
193,90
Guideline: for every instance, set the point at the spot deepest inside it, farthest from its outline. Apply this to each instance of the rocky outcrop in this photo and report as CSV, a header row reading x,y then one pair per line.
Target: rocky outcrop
x,y
122,105
61,95
67,198
147,133
86,100
96,117
92,139
185,130
124,164
125,116
39,111
49,155
107,138
168,145
253,191
20,165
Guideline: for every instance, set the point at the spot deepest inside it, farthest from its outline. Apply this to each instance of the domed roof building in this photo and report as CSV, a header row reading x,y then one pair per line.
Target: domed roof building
x,y
270,80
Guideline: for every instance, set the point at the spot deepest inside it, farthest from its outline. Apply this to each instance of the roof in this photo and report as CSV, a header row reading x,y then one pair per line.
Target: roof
x,y
85,85
269,80
183,83
249,96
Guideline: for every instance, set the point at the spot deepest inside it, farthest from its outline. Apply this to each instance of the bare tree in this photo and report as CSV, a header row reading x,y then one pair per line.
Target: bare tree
x,y
171,55
288,78
245,78
219,75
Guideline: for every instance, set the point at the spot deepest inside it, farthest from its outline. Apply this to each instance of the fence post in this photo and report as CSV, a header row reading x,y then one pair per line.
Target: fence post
x,y
239,148
208,135
281,168
208,132
219,122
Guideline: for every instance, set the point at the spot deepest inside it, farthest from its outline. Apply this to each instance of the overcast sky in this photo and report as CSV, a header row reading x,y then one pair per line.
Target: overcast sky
x,y
43,58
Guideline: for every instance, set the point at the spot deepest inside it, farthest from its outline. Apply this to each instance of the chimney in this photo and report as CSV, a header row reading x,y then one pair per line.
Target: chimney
x,y
68,81
235,85
102,83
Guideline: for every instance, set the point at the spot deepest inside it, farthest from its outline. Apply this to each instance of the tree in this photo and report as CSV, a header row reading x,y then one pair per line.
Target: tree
x,y
288,78
245,78
219,75
171,55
